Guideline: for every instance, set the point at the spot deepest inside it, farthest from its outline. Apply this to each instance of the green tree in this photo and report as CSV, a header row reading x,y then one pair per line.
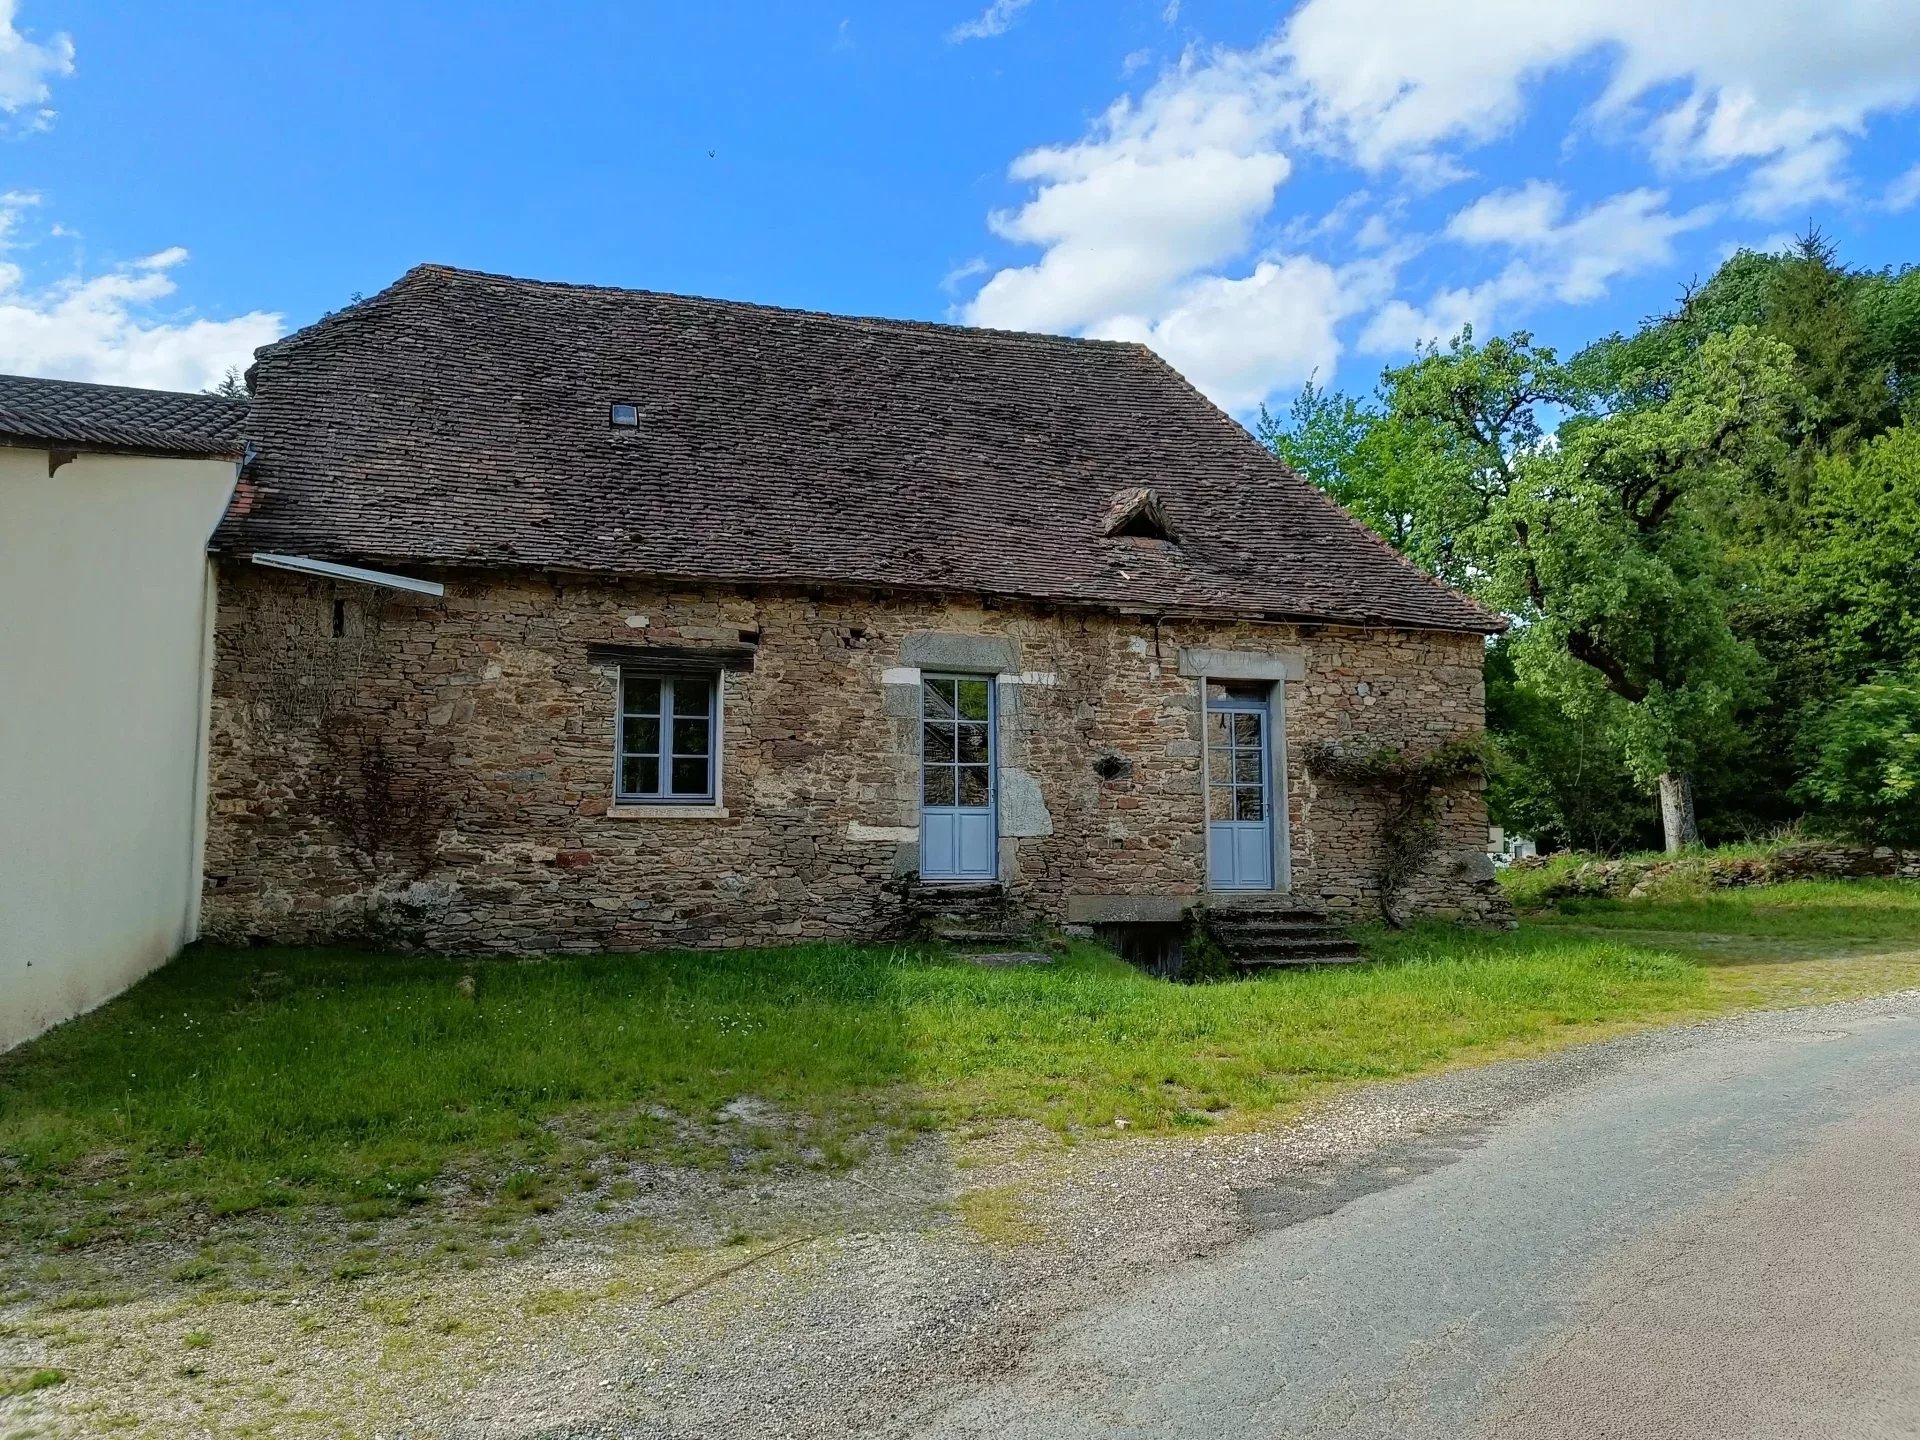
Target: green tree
x,y
232,385
1558,777
1604,549
1866,759
1350,450
1856,570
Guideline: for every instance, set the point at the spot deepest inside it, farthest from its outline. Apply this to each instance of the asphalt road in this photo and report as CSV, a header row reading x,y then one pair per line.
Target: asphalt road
x,y
1719,1238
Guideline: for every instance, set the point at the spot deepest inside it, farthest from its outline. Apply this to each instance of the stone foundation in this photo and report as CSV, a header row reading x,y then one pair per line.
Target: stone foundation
x,y
494,712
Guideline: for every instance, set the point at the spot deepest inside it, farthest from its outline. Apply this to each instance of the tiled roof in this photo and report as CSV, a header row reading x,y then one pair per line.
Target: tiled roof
x,y
459,418
118,417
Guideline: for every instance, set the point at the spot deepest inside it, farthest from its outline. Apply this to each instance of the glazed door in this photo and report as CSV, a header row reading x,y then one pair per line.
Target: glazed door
x,y
959,828
1239,793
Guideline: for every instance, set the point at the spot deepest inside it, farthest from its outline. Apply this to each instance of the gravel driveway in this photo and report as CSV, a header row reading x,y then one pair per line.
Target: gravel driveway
x,y
1695,1232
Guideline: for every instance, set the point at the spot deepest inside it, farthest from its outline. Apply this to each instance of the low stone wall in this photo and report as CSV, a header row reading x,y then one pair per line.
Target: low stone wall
x,y
1634,879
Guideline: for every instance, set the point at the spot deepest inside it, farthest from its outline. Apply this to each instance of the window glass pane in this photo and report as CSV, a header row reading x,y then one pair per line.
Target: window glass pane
x,y
1220,802
936,699
938,748
1246,766
690,737
1251,804
1246,729
1219,735
974,701
640,775
973,744
640,733
1219,765
692,696
937,785
973,785
639,695
690,777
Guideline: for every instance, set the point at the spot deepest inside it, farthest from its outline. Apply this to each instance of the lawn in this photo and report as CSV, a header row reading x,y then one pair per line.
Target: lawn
x,y
1846,912
242,1080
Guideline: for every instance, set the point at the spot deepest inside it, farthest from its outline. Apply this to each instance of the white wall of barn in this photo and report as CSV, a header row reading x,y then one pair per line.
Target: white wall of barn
x,y
106,606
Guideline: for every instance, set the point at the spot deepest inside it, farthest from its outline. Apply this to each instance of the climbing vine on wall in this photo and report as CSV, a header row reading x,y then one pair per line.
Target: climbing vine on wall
x,y
1409,787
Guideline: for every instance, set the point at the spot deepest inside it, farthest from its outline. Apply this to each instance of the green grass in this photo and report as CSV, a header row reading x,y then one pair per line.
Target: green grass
x,y
232,1080
27,1381
1843,911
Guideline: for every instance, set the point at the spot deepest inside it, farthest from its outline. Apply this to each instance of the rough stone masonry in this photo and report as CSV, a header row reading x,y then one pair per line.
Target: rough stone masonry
x,y
489,719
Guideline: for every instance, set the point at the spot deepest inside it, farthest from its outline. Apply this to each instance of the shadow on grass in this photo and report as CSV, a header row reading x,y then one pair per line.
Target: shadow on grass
x,y
1844,912
262,1077
232,1081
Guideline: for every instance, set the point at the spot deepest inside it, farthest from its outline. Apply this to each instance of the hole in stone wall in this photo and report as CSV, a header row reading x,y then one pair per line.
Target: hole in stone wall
x,y
1157,947
1112,767
339,618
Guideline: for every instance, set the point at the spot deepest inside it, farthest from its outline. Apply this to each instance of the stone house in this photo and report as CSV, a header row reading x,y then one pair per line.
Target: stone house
x,y
556,617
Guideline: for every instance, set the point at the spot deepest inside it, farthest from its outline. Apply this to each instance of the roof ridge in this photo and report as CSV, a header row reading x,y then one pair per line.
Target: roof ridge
x,y
889,322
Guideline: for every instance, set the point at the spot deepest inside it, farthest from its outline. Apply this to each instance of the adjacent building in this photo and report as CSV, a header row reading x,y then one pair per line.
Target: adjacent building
x,y
108,497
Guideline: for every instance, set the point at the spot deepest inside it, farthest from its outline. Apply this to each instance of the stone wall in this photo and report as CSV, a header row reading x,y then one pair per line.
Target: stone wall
x,y
496,728
1807,860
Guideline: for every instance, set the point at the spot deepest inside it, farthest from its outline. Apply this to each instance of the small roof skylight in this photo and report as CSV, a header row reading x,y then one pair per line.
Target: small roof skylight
x,y
623,415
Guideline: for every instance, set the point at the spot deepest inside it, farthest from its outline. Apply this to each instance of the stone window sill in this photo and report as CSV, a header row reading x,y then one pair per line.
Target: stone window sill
x,y
667,812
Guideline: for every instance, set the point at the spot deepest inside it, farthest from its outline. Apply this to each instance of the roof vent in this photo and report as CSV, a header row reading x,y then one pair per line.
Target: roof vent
x,y
1137,514
623,416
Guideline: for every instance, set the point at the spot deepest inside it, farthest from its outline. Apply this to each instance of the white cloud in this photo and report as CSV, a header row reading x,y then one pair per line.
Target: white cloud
x,y
1904,192
1161,190
1581,256
1240,339
1171,14
996,19
1165,208
1781,81
1571,259
27,67
108,328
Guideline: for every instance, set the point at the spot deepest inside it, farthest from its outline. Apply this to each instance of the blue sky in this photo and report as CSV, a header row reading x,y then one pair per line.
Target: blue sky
x,y
1258,190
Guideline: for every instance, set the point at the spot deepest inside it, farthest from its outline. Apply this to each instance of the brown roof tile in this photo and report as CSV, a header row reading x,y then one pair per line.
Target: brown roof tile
x,y
459,418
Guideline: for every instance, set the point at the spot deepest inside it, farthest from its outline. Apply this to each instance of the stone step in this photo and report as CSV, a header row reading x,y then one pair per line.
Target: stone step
x,y
1344,954
952,934
1279,934
1253,927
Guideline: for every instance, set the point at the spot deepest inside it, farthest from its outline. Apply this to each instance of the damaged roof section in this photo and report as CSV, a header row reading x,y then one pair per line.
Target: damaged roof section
x,y
77,415
460,418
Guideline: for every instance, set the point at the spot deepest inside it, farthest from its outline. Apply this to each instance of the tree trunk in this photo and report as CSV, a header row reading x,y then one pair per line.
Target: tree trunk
x,y
1677,815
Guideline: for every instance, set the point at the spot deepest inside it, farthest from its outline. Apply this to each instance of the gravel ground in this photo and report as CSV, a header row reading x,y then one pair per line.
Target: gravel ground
x,y
866,1333
910,1281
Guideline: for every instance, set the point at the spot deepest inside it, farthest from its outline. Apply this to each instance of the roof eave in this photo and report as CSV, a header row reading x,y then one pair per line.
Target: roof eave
x,y
1144,610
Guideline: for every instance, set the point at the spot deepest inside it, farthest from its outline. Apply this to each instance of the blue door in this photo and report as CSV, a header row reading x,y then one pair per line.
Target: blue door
x,y
959,834
1239,791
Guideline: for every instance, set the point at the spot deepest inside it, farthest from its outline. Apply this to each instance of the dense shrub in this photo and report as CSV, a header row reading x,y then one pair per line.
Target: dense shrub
x,y
1866,760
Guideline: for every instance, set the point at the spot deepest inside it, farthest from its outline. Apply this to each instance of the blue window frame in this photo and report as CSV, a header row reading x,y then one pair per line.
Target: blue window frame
x,y
668,740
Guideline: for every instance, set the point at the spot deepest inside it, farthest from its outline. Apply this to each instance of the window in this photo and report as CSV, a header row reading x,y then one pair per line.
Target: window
x,y
667,739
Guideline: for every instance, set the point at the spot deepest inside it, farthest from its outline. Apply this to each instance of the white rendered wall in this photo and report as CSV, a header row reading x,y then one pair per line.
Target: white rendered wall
x,y
105,601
